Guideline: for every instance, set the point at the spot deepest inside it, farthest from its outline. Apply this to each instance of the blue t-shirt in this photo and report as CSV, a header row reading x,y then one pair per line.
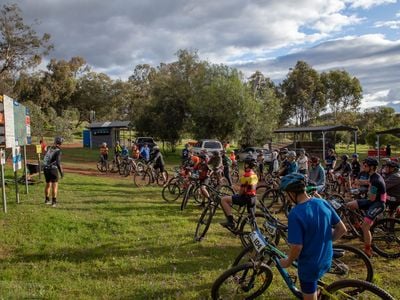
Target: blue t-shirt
x,y
310,225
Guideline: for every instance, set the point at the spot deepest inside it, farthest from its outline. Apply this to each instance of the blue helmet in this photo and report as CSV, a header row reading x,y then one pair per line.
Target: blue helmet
x,y
294,182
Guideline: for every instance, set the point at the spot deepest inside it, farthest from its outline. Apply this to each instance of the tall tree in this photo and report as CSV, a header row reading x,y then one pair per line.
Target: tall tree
x,y
20,46
304,97
342,92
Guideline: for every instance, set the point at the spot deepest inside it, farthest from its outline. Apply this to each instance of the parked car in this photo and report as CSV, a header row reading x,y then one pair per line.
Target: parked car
x,y
208,145
140,141
253,151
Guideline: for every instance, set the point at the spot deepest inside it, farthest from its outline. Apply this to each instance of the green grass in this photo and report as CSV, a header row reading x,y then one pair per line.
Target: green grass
x,y
108,239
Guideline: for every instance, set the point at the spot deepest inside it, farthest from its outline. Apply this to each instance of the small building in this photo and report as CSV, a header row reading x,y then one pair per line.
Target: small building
x,y
109,132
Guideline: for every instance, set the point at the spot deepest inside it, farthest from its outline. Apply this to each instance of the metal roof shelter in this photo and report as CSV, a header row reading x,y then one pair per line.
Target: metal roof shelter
x,y
393,131
323,130
108,132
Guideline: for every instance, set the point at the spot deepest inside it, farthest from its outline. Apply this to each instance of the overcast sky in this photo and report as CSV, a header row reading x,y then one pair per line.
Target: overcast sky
x,y
360,36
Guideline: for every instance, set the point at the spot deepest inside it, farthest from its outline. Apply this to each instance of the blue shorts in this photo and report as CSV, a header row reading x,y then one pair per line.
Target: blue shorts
x,y
372,208
308,287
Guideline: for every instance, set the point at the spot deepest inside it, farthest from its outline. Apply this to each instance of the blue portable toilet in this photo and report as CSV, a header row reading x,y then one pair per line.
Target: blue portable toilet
x,y
86,138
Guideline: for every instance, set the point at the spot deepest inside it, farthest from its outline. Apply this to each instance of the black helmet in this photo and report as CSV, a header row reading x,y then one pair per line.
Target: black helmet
x,y
294,182
250,161
355,155
314,159
371,161
58,140
215,153
203,156
392,164
345,157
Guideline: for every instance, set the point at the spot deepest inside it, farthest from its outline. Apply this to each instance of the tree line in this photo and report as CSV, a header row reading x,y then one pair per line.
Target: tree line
x,y
188,97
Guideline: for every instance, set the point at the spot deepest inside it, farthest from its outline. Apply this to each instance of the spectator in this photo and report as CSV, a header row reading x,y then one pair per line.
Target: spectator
x,y
51,168
43,145
317,173
145,152
302,161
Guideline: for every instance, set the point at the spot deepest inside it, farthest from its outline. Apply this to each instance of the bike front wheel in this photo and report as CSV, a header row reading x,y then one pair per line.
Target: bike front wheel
x,y
246,281
354,289
142,179
171,191
386,237
102,166
204,222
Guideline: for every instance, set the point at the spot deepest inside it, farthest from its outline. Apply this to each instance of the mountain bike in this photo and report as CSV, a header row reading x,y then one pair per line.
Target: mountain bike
x,y
251,279
176,186
150,175
102,165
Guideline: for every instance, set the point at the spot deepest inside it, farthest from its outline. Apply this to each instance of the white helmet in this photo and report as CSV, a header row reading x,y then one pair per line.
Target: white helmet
x,y
291,154
104,144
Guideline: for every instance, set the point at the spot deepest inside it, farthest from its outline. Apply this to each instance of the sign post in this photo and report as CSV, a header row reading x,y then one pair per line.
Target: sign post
x,y
16,165
26,172
3,184
38,152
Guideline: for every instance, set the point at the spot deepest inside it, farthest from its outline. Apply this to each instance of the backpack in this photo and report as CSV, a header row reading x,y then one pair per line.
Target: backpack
x,y
48,158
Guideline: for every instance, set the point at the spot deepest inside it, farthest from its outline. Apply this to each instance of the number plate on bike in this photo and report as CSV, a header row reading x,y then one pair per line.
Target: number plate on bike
x,y
336,204
258,240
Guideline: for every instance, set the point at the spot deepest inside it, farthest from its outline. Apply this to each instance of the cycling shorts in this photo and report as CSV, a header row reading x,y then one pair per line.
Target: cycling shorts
x,y
242,200
308,287
50,174
372,208
161,167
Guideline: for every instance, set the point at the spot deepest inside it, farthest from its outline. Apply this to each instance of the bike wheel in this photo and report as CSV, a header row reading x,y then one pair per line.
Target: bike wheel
x,y
261,219
386,237
113,167
160,179
198,196
354,289
142,179
235,176
226,190
204,222
186,196
273,201
245,281
171,192
122,167
349,263
102,166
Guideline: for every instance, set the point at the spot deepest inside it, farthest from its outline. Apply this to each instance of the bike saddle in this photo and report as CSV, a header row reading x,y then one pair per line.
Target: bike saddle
x,y
338,253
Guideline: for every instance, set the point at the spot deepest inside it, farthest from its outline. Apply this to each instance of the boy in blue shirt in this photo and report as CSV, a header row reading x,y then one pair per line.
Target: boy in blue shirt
x,y
310,234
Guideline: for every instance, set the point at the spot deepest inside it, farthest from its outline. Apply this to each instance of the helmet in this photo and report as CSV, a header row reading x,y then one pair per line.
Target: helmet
x,y
371,161
294,182
291,154
284,150
250,161
156,148
345,157
58,140
104,144
355,155
314,159
302,151
203,156
392,164
215,153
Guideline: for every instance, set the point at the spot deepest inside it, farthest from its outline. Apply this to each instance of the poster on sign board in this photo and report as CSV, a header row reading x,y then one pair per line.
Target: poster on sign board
x,y
17,158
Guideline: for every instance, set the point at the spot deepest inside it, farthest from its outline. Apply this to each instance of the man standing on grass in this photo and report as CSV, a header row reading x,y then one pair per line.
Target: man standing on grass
x,y
51,167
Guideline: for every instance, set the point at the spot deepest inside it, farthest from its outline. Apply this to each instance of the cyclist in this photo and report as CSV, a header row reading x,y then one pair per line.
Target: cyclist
x,y
247,193
104,152
317,173
330,159
145,152
260,163
274,168
232,156
51,168
227,163
355,167
135,152
382,170
392,182
310,234
158,162
289,165
204,175
216,165
344,170
374,205
302,161
124,152
185,154
117,150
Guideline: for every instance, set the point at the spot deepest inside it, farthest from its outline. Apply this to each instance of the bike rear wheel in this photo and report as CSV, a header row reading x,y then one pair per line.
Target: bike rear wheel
x,y
245,281
186,196
354,289
171,192
204,222
273,200
142,179
386,237
102,166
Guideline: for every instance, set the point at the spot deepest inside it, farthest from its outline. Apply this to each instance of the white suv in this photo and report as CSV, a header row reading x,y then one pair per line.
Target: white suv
x,y
208,145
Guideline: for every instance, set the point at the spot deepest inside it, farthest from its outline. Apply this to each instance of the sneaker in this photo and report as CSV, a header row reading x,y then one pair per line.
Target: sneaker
x,y
53,204
48,202
227,224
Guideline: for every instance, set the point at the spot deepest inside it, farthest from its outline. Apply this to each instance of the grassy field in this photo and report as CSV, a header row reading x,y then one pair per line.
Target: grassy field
x,y
108,239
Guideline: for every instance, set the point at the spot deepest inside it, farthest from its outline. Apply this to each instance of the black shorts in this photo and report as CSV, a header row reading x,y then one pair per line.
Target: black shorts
x,y
161,167
372,208
51,174
242,200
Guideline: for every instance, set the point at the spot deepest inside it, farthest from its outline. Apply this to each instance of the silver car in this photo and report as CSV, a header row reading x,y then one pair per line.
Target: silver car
x,y
253,151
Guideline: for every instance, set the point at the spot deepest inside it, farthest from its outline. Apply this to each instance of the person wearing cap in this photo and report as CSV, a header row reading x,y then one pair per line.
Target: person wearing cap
x,y
313,226
289,165
374,205
330,159
392,182
51,168
317,173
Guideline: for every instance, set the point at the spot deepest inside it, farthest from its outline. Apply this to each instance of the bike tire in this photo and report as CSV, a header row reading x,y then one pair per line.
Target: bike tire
x,y
160,179
273,201
354,289
101,166
242,282
235,176
204,222
171,192
142,179
113,167
226,190
352,264
386,237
